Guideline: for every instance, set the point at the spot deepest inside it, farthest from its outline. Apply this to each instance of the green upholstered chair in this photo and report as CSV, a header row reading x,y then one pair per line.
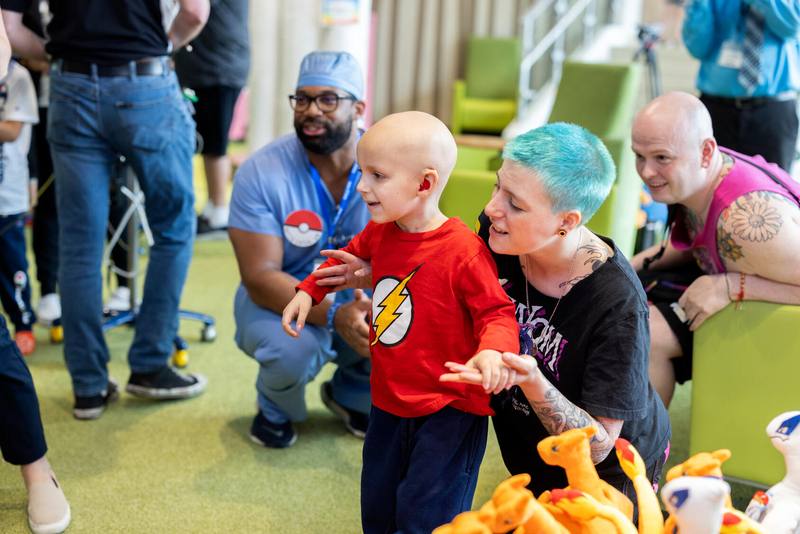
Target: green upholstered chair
x,y
616,218
466,194
746,371
486,100
601,97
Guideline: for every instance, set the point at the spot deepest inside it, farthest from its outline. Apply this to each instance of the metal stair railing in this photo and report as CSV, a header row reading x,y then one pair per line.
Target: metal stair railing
x,y
573,24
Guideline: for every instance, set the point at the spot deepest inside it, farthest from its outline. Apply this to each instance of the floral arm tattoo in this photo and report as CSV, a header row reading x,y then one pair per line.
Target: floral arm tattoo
x,y
753,218
558,415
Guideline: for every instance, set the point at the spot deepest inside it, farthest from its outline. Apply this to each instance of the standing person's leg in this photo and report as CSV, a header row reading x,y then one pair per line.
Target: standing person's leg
x,y
82,161
214,112
770,130
22,440
45,226
15,288
149,122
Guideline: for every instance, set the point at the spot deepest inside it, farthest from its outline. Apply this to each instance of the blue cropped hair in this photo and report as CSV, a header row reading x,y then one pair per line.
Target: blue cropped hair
x,y
573,164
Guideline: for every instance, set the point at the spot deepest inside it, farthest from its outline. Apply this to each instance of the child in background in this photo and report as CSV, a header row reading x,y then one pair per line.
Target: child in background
x,y
18,111
436,297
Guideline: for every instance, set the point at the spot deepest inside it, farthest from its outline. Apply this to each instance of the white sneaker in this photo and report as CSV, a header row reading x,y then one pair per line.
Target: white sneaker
x,y
120,300
49,309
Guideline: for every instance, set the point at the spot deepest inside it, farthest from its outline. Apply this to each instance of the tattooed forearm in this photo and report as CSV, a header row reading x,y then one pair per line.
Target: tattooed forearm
x,y
558,414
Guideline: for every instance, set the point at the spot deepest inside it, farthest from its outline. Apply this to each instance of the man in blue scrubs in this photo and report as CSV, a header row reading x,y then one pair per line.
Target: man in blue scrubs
x,y
291,199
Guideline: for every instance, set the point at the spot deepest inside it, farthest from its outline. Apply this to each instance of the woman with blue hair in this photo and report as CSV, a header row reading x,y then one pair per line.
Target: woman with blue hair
x,y
583,316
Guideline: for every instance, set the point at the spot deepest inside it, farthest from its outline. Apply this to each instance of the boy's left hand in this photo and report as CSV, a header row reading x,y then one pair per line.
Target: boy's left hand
x,y
485,369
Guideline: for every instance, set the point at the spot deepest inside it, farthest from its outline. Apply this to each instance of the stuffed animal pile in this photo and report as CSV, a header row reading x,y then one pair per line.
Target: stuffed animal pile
x,y
695,495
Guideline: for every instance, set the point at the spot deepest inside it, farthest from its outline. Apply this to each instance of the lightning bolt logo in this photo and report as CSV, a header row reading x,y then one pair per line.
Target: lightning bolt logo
x,y
389,306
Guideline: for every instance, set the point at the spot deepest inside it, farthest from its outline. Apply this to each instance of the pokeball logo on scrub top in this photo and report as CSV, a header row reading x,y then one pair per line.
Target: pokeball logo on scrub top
x,y
303,228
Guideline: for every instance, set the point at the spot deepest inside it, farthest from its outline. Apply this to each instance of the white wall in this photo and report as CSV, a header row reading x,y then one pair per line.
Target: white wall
x,y
282,32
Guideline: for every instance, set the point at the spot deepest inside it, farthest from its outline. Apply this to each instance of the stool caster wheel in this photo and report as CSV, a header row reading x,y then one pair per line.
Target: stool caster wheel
x,y
180,358
209,333
56,334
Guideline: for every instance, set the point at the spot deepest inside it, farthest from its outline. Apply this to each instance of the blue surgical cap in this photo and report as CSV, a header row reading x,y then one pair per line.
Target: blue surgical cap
x,y
335,69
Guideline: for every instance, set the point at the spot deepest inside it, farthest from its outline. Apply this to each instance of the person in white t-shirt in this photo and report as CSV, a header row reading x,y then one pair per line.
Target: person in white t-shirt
x,y
18,112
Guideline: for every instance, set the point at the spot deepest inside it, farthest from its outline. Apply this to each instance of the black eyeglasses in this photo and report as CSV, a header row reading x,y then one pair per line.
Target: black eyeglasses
x,y
326,102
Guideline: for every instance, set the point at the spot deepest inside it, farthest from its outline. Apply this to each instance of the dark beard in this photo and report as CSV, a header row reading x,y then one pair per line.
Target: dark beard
x,y
333,139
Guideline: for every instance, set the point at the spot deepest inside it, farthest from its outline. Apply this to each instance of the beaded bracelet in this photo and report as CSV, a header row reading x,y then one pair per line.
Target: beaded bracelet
x,y
740,295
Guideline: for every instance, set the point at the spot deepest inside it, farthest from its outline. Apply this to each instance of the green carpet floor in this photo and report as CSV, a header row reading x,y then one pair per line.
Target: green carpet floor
x,y
188,466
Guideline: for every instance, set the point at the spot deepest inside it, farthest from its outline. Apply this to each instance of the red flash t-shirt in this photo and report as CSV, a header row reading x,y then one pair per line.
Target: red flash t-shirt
x,y
436,298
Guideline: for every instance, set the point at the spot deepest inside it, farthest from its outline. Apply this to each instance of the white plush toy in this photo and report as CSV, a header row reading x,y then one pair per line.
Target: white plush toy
x,y
696,503
778,510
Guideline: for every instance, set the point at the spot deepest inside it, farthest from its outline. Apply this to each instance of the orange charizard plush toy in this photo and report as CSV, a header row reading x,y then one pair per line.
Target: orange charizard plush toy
x,y
513,505
583,508
650,519
570,450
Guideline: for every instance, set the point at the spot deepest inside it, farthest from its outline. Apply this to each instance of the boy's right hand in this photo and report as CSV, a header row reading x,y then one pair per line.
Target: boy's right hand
x,y
297,309
353,272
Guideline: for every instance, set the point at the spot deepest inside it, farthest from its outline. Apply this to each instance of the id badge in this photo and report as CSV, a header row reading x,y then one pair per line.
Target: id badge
x,y
730,55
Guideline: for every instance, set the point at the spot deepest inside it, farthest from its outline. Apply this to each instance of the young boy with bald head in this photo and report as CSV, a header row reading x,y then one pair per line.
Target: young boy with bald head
x,y
435,299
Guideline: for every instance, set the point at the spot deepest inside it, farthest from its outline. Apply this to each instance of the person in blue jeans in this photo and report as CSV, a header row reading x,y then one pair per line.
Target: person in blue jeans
x,y
113,92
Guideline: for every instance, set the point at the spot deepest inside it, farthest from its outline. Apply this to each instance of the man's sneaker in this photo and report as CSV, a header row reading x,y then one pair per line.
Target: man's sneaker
x,y
92,407
273,435
355,422
25,341
120,300
166,384
49,309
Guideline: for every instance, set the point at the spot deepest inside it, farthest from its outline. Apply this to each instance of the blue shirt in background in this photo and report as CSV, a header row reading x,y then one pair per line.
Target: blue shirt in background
x,y
713,31
274,193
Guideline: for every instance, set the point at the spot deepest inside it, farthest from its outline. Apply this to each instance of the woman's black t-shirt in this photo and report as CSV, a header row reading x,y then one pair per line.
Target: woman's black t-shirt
x,y
595,352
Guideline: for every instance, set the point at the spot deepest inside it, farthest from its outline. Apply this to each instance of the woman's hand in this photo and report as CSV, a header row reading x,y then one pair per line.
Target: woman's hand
x,y
526,367
353,272
516,370
703,298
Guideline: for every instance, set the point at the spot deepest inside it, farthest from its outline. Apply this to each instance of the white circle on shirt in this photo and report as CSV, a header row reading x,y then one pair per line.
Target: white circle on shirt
x,y
302,228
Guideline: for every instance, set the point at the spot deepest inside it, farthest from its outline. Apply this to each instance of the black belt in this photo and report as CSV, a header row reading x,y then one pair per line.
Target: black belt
x,y
751,102
152,66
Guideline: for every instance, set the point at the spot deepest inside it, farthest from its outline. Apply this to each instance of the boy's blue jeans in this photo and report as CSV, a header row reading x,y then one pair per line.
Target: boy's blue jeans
x,y
420,472
93,119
